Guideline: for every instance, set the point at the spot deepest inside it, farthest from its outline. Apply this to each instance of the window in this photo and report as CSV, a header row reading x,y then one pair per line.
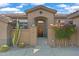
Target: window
x,y
13,24
40,21
70,22
58,21
23,24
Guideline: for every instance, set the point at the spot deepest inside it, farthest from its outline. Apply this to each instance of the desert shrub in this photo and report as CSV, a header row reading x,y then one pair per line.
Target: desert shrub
x,y
4,48
65,31
21,45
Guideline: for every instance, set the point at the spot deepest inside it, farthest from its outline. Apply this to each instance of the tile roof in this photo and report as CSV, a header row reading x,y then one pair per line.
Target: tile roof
x,y
17,15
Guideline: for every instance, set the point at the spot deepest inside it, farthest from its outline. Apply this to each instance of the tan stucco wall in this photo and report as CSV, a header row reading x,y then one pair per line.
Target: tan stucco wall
x,y
48,15
50,20
3,33
28,36
33,36
24,36
76,21
51,36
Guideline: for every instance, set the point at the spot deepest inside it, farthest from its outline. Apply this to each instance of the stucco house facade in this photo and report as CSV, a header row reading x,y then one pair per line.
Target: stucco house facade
x,y
36,22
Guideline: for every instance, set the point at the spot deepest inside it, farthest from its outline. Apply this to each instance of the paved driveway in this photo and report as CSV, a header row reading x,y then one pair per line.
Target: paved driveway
x,y
42,49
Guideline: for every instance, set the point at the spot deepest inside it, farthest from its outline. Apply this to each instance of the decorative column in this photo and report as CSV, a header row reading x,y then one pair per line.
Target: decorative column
x,y
32,31
33,36
51,36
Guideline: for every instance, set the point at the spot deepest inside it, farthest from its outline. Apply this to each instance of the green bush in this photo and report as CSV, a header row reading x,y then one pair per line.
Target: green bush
x,y
64,32
21,45
4,48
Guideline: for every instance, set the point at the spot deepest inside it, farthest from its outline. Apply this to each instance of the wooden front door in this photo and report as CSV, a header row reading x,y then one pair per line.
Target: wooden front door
x,y
40,29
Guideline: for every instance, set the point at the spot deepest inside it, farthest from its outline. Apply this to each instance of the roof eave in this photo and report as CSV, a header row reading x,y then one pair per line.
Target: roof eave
x,y
41,7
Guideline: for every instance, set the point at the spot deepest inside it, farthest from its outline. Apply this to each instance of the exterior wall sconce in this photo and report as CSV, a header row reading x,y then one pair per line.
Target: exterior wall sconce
x,y
40,12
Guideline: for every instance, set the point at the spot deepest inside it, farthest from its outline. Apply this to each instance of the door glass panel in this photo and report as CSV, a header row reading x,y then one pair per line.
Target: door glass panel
x,y
40,28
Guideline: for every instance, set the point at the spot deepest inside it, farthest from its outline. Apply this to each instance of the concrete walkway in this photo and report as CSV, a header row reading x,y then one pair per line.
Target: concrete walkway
x,y
42,49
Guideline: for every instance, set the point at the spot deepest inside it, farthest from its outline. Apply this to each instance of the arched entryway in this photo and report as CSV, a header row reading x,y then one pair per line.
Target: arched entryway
x,y
41,24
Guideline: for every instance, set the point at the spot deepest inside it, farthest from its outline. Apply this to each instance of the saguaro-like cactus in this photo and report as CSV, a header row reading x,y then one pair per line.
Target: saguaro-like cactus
x,y
16,34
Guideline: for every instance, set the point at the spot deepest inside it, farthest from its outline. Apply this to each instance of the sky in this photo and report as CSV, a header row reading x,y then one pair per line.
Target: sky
x,y
64,8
